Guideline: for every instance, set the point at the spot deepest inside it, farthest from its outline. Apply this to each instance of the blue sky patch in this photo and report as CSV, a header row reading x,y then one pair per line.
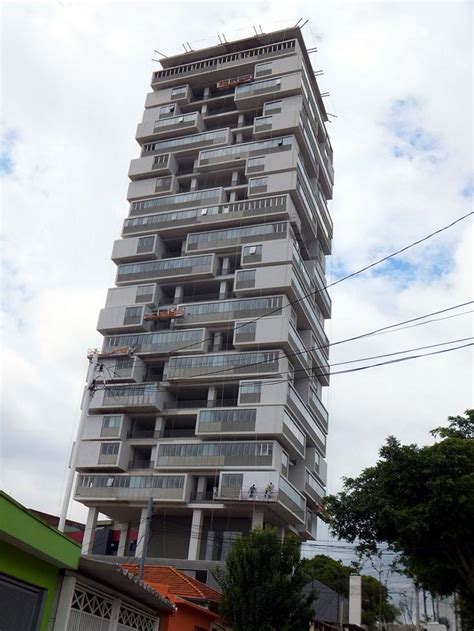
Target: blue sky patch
x,y
412,140
468,190
6,147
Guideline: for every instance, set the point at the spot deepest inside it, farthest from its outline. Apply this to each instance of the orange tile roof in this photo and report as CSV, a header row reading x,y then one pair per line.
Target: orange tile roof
x,y
180,584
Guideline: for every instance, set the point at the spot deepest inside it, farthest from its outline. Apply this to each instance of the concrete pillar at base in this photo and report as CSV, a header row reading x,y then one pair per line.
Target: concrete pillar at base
x,y
195,536
122,546
257,518
141,533
89,533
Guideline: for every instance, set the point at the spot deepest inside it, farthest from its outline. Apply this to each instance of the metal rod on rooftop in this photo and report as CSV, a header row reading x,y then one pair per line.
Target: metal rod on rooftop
x,y
304,23
298,22
162,54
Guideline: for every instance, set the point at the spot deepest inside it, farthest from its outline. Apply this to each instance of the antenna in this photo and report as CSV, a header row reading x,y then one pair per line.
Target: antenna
x,y
220,41
189,46
324,94
223,37
162,54
261,31
304,23
311,50
185,50
333,115
298,22
255,30
318,73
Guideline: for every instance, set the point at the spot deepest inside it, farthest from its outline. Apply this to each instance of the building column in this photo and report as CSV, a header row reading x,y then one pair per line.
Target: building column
x,y
194,184
178,294
114,618
235,178
225,265
122,546
239,137
211,396
141,533
241,120
159,426
89,532
232,196
63,611
355,599
195,535
257,518
223,289
217,345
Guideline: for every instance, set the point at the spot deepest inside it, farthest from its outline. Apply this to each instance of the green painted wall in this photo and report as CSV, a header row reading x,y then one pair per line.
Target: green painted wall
x,y
17,523
25,567
33,552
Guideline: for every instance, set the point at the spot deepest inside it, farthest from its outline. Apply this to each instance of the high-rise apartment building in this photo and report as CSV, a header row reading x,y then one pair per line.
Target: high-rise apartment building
x,y
214,353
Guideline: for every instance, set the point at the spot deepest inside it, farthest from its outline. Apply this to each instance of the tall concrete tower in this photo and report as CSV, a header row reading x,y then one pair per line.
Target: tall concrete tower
x,y
214,356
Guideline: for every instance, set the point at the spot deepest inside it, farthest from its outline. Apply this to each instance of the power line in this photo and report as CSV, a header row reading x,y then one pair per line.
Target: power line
x,y
343,341
340,280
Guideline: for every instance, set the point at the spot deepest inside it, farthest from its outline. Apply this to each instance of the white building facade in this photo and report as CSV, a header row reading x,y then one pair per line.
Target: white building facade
x,y
214,354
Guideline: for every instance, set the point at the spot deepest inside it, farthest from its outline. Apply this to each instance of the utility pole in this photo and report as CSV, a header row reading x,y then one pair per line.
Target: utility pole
x,y
149,513
86,399
417,609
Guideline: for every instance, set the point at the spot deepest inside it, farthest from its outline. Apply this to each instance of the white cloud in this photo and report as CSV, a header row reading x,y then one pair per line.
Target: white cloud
x,y
74,91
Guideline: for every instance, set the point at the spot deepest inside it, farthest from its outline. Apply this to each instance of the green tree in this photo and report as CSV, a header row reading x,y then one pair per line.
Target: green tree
x,y
421,502
376,605
262,584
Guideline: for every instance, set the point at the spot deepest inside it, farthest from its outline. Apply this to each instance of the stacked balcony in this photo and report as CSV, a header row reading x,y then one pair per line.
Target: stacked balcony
x,y
214,357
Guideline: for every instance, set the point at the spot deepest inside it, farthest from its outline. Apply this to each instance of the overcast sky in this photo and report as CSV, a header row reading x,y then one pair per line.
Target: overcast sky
x,y
75,77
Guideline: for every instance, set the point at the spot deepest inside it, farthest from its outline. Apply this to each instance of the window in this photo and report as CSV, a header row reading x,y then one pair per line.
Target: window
x,y
132,315
109,449
179,91
258,184
259,86
167,110
250,387
181,199
249,328
152,269
22,604
255,164
145,244
272,107
261,70
144,293
109,422
252,250
124,363
162,184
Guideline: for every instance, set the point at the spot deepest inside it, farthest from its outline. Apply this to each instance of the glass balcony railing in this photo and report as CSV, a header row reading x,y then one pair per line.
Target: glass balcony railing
x,y
131,395
314,489
237,236
227,310
227,420
166,268
131,487
222,365
233,454
157,342
291,498
212,214
305,416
